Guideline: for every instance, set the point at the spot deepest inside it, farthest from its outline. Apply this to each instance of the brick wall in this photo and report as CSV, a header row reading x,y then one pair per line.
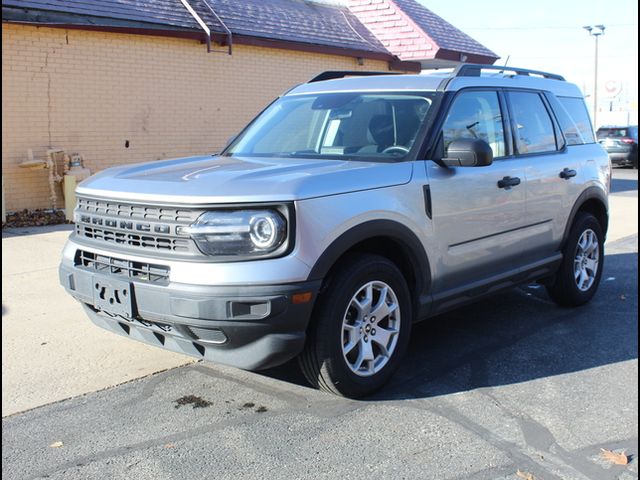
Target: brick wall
x,y
91,92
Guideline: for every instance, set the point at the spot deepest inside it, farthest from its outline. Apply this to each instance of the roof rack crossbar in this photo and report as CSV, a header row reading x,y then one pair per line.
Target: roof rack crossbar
x,y
475,70
330,75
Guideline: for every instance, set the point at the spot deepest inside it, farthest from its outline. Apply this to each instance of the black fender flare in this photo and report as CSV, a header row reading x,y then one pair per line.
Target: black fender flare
x,y
399,233
590,193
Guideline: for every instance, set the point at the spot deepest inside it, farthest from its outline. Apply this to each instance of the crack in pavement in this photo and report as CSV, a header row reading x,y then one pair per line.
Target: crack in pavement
x,y
510,449
545,451
154,442
539,438
154,382
326,410
257,384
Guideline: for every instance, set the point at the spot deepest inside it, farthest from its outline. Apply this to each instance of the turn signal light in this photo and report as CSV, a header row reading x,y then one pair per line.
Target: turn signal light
x,y
299,298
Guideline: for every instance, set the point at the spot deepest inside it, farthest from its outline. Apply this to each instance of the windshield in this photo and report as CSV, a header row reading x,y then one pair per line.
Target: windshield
x,y
336,125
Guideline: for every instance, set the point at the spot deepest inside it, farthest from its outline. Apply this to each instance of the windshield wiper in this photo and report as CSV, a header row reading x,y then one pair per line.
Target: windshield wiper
x,y
319,156
303,152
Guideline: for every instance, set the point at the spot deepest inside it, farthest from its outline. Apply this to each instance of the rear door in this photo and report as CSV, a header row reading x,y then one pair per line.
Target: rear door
x,y
551,171
557,171
478,226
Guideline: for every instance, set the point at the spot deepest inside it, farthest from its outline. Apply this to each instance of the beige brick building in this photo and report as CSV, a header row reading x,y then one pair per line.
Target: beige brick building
x,y
121,95
92,92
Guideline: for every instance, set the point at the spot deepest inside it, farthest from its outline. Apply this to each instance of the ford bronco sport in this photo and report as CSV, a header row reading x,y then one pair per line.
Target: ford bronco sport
x,y
353,206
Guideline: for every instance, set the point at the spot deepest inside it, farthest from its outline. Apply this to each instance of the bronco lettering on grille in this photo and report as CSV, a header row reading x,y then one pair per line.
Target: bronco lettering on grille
x,y
126,224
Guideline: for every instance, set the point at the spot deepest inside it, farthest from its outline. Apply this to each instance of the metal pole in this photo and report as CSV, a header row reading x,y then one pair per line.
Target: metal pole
x,y
595,31
595,89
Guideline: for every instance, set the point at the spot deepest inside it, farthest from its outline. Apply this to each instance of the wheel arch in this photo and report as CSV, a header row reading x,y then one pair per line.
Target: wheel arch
x,y
386,238
594,201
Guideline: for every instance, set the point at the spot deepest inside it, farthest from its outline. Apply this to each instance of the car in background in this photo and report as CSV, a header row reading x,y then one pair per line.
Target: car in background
x,y
621,143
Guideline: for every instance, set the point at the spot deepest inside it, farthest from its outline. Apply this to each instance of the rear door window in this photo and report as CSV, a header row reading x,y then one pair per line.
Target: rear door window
x,y
534,128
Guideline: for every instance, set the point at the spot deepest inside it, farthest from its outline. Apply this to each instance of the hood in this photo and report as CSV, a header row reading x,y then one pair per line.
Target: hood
x,y
210,179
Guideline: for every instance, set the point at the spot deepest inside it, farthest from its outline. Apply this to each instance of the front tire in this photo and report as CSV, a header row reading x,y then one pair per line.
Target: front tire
x,y
360,328
579,276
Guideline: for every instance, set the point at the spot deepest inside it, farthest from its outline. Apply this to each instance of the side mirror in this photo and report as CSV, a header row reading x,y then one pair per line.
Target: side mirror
x,y
467,152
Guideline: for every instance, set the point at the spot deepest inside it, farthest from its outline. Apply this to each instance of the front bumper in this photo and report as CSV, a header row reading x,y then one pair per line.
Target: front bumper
x,y
250,327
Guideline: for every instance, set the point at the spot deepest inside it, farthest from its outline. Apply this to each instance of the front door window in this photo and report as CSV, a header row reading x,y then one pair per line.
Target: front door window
x,y
476,114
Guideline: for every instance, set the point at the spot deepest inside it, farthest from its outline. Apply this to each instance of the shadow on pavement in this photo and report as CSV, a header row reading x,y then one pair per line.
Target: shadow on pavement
x,y
515,337
619,185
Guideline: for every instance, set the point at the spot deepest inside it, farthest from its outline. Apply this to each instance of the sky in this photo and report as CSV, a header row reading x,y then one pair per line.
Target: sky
x,y
548,35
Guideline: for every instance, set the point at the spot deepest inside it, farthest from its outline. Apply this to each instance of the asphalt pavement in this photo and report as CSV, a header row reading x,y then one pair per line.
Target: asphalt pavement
x,y
511,384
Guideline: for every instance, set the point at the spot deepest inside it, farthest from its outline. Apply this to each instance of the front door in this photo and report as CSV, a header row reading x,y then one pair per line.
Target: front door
x,y
478,213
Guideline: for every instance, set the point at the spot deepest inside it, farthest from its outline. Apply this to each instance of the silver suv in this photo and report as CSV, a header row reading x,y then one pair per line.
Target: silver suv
x,y
350,208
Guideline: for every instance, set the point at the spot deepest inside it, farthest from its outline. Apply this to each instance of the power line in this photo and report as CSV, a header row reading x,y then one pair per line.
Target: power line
x,y
572,56
545,27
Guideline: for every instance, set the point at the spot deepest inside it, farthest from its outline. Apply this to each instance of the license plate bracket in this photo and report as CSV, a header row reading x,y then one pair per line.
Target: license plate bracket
x,y
113,296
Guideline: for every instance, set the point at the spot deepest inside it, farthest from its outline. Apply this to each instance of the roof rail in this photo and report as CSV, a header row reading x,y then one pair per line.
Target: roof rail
x,y
330,75
462,70
475,70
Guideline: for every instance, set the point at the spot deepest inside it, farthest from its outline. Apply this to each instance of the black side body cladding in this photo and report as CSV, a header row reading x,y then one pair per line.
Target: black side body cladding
x,y
591,193
471,292
411,245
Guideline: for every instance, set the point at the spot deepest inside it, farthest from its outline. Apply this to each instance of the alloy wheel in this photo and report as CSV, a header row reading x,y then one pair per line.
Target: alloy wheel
x,y
370,328
587,260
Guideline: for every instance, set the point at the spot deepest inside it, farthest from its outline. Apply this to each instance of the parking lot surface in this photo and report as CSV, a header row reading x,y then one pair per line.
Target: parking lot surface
x,y
513,383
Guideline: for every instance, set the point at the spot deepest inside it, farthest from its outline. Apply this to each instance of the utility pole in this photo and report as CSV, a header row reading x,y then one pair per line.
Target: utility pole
x,y
595,31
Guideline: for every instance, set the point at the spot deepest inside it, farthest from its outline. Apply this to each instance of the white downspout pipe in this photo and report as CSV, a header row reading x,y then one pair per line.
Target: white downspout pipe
x,y
197,18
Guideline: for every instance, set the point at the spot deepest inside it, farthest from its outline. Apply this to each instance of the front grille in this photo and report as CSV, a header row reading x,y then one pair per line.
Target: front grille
x,y
139,271
134,240
106,208
136,227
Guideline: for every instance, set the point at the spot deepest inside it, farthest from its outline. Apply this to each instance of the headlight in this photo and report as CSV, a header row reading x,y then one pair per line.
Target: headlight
x,y
235,233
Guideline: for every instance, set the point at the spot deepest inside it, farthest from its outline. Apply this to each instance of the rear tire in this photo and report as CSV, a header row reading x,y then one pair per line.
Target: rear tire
x,y
577,280
360,328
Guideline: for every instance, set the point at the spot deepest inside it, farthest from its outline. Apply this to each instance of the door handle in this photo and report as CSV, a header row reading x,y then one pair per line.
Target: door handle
x,y
567,173
508,182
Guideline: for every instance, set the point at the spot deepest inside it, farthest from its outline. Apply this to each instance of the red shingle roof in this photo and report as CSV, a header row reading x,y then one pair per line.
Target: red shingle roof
x,y
297,21
413,32
442,32
376,28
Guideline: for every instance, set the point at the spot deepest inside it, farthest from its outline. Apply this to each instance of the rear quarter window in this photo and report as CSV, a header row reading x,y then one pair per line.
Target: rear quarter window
x,y
579,119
